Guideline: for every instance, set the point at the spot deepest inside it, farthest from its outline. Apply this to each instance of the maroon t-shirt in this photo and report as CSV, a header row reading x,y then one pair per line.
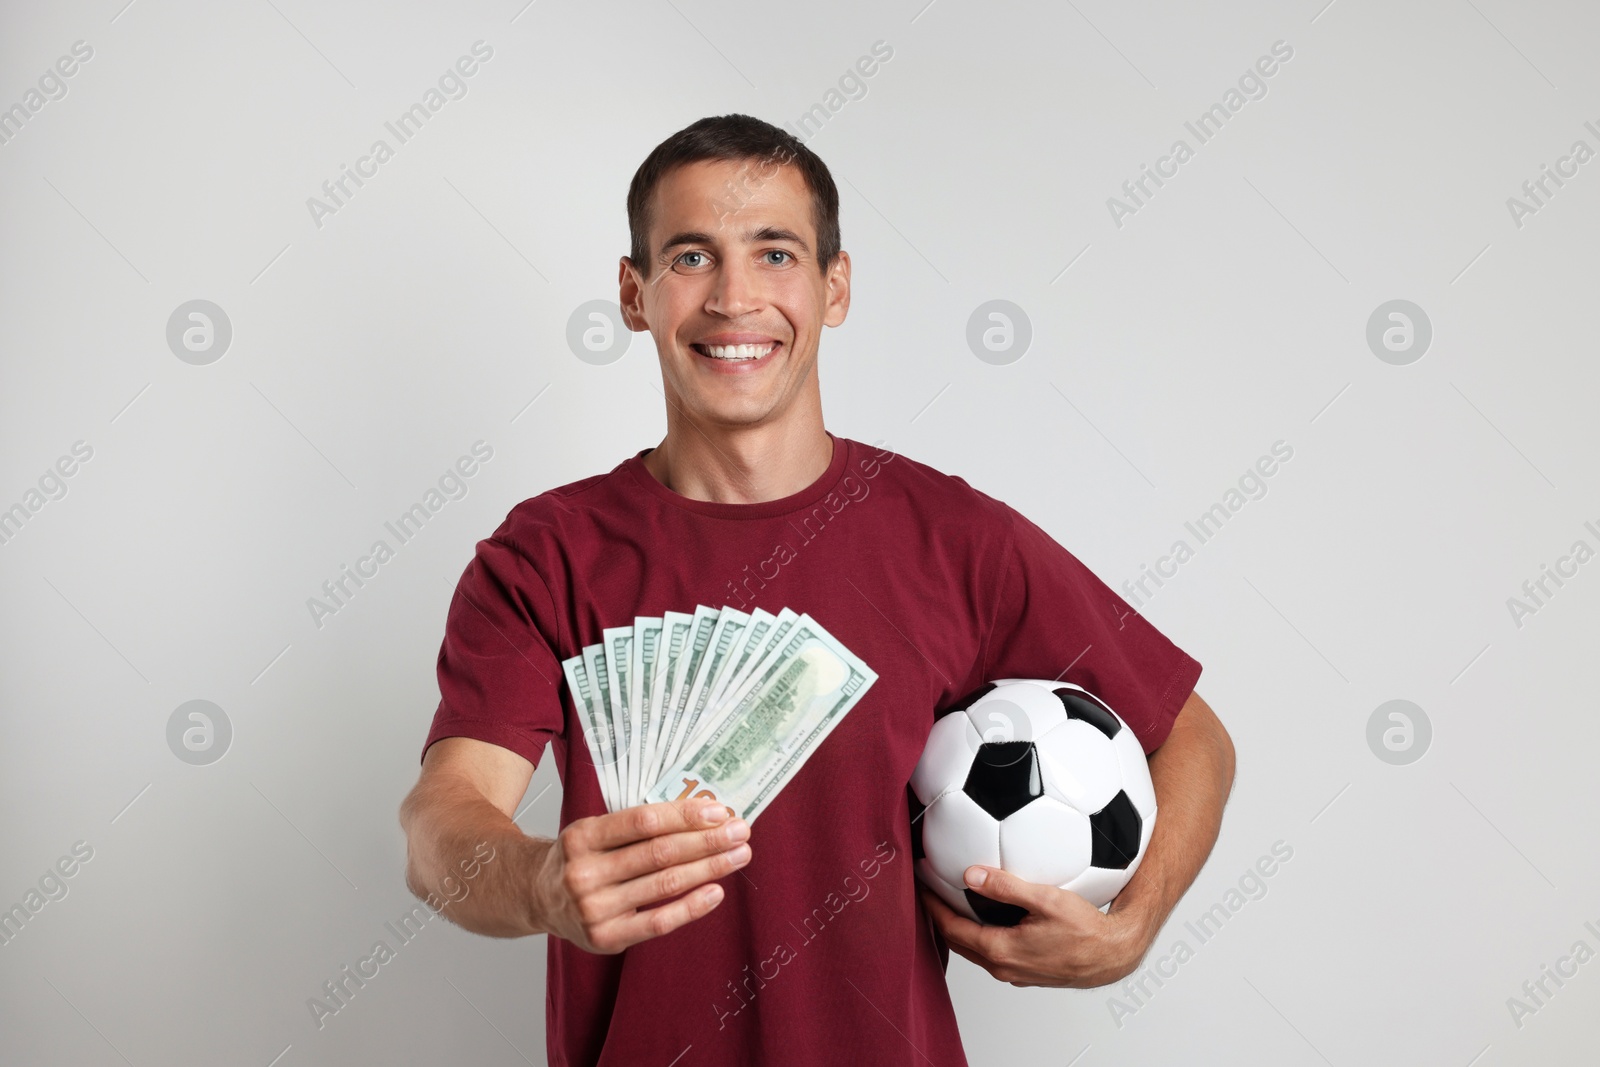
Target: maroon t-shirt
x,y
820,951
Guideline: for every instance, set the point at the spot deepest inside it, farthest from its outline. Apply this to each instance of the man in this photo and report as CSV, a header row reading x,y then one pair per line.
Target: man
x,y
681,932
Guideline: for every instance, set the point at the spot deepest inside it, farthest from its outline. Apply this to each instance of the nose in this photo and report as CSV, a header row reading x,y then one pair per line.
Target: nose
x,y
737,290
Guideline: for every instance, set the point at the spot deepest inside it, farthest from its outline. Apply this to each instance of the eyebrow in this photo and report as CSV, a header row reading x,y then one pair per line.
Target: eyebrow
x,y
765,233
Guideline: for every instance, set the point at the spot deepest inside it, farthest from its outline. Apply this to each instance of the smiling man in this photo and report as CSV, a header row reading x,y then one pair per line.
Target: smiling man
x,y
681,935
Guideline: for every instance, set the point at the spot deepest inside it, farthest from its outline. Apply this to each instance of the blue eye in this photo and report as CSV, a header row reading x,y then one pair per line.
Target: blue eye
x,y
777,252
685,256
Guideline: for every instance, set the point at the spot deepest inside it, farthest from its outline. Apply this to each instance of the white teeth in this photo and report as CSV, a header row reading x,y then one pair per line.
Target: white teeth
x,y
738,352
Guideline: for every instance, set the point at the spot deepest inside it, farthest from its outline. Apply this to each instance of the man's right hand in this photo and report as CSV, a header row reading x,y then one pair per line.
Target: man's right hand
x,y
601,871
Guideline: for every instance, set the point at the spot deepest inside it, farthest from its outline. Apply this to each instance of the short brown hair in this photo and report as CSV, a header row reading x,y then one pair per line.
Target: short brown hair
x,y
733,137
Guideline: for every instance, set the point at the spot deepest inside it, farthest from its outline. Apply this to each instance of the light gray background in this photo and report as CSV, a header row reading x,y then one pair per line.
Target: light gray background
x,y
1167,355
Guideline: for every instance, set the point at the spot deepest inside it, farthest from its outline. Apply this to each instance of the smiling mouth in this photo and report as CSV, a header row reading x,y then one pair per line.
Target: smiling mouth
x,y
736,353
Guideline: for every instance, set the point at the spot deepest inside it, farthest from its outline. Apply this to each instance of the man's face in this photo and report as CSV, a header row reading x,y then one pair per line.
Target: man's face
x,y
735,300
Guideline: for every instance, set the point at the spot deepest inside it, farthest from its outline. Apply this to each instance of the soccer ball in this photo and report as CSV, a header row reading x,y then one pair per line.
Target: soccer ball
x,y
1038,778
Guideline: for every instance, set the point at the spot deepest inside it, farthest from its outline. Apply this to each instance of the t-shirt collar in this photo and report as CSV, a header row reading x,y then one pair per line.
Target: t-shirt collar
x,y
766,509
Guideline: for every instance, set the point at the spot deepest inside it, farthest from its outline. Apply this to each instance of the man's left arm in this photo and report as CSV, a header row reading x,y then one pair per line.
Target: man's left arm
x,y
1066,941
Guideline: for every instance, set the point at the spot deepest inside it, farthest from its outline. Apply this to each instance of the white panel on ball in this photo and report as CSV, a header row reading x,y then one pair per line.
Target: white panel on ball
x,y
1135,773
1081,765
1098,885
1015,713
956,833
1046,842
946,758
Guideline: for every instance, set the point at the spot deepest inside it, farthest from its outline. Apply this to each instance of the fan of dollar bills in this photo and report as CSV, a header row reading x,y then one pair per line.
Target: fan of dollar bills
x,y
714,702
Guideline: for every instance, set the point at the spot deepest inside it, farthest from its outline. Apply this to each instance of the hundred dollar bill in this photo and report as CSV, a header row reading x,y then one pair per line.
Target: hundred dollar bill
x,y
599,685
784,711
754,635
675,627
730,624
694,650
596,729
735,689
641,677
617,646
774,637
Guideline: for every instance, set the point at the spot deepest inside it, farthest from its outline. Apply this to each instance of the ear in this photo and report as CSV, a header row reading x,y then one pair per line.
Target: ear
x,y
838,285
630,296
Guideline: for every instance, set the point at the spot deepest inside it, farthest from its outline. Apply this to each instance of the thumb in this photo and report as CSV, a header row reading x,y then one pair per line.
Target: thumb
x,y
1002,885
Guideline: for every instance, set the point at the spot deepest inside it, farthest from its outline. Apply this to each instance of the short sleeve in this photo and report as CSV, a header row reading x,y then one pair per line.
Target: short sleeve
x,y
499,678
1056,619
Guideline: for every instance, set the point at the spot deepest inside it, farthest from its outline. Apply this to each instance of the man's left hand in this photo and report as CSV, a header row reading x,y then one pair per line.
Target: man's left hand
x,y
1063,941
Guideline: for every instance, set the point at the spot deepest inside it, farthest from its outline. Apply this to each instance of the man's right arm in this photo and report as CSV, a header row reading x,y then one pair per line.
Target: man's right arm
x,y
593,884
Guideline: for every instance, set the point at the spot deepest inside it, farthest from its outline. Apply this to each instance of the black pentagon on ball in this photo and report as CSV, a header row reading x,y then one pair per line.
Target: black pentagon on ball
x,y
917,810
1116,829
1004,777
1095,714
994,912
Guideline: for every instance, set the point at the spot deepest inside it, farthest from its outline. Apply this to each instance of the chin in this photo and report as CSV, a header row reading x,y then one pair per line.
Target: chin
x,y
723,414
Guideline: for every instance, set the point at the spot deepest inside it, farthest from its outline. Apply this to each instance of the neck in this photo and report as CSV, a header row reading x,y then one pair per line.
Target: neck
x,y
741,464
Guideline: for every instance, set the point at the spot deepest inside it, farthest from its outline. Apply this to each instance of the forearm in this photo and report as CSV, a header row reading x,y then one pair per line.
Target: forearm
x,y
450,830
1193,773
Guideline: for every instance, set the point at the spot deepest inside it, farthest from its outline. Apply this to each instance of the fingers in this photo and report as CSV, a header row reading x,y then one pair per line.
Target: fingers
x,y
625,930
968,955
671,881
940,912
670,850
952,924
624,827
970,939
658,852
976,958
1002,885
